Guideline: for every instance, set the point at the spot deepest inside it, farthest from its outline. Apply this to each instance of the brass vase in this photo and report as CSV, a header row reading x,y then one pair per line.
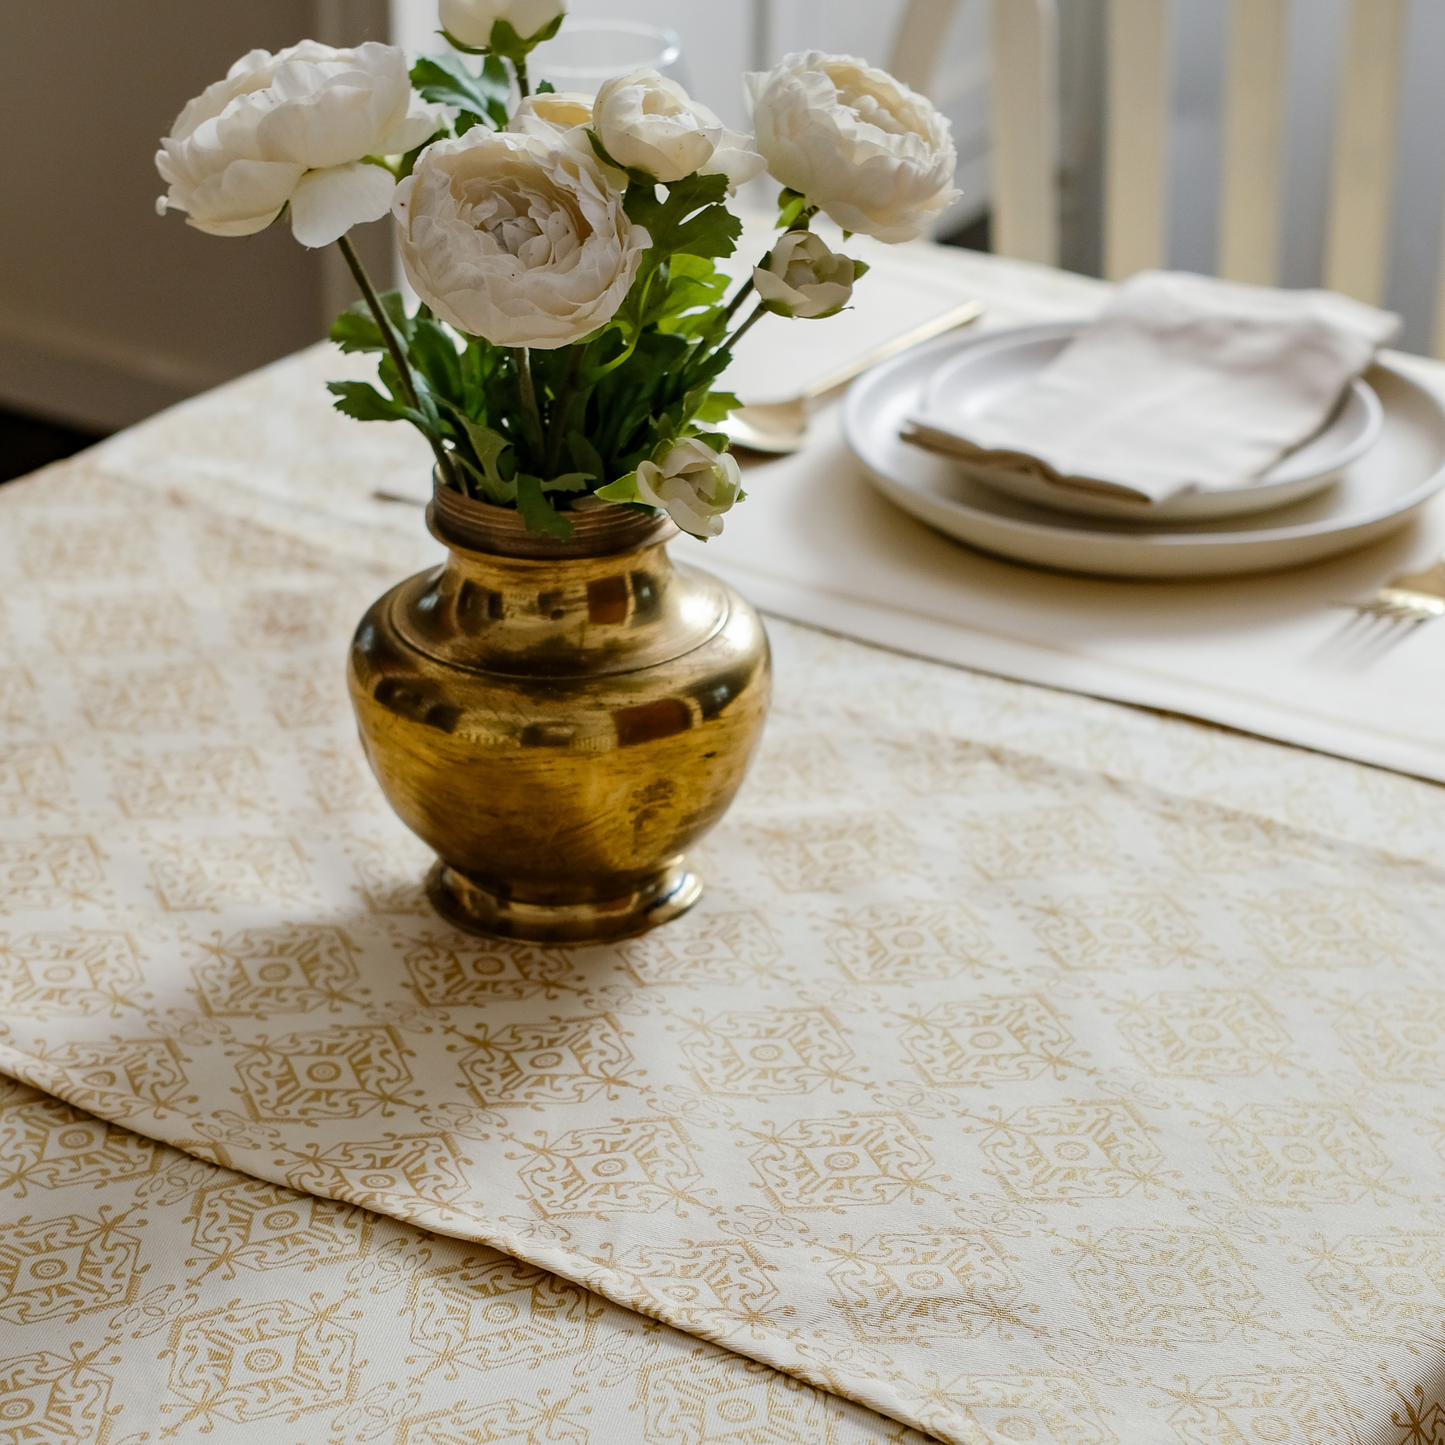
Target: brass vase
x,y
559,720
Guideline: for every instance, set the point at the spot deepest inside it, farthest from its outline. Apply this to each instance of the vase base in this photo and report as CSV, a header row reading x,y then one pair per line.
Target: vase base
x,y
470,906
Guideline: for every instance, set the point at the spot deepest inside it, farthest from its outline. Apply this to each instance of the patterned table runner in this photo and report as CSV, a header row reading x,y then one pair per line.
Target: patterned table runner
x,y
1033,1068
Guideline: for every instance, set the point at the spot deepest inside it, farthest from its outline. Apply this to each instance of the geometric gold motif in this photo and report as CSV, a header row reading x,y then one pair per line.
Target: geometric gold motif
x,y
1098,1150
1165,1286
699,1282
832,854
1398,1037
1203,1033
377,1171
47,872
66,1267
720,1399
1301,1154
1040,843
926,1285
149,700
1122,931
1272,1407
636,1166
731,948
1382,1284
340,1073
261,1226
492,1311
47,1398
45,1144
1328,928
69,972
250,1362
33,780
561,1061
195,783
986,1039
455,971
148,1069
784,1051
853,1159
1041,1409
214,873
290,968
896,942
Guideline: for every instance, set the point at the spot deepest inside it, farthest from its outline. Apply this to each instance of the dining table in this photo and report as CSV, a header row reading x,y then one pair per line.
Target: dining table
x,y
1057,1052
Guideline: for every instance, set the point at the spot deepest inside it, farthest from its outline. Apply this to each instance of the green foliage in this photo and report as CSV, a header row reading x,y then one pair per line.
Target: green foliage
x,y
537,512
445,80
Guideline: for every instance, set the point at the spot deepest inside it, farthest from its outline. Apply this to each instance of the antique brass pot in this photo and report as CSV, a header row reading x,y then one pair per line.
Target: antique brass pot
x,y
559,720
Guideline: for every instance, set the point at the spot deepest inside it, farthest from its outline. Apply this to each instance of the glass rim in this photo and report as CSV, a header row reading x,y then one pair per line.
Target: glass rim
x,y
669,41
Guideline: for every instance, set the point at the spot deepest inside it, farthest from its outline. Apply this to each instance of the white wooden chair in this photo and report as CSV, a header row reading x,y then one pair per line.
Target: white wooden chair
x,y
1025,136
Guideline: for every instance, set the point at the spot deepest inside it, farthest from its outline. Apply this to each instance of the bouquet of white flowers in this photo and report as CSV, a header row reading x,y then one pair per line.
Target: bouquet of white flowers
x,y
564,247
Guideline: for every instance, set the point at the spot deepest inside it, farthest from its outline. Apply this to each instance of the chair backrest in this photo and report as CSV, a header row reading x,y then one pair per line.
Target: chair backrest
x,y
1024,120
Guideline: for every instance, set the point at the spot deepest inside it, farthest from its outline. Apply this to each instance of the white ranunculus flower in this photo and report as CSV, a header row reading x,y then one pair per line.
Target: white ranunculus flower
x,y
649,123
551,113
293,127
516,238
802,277
471,21
693,484
874,155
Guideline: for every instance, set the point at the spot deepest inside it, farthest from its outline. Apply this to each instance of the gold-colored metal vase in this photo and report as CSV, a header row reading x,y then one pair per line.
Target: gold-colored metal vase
x,y
559,720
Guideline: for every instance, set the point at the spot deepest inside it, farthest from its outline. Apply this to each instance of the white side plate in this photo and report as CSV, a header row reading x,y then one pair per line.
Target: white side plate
x,y
1374,495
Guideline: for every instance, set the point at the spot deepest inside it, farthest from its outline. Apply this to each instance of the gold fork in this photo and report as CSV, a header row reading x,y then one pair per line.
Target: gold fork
x,y
1399,607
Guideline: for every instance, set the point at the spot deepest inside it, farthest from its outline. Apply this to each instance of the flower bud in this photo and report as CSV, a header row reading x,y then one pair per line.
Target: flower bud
x,y
802,277
692,483
471,21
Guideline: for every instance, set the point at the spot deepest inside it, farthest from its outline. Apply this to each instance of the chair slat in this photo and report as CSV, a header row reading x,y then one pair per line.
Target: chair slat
x,y
1135,190
918,42
1254,111
1024,104
1357,240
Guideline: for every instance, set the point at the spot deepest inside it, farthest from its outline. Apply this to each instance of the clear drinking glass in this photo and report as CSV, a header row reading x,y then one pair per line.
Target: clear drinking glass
x,y
584,53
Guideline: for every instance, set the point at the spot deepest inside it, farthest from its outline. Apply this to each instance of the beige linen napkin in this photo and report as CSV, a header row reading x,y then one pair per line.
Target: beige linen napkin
x,y
1184,383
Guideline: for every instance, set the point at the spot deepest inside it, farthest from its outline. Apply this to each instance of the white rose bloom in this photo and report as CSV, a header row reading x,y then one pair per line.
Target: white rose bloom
x,y
873,154
471,21
516,238
693,484
293,127
802,277
551,114
649,123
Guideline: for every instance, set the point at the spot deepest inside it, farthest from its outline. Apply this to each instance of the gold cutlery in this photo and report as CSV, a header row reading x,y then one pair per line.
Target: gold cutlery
x,y
1398,608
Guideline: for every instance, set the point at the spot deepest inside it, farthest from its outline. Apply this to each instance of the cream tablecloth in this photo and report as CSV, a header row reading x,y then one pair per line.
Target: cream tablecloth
x,y
1034,1068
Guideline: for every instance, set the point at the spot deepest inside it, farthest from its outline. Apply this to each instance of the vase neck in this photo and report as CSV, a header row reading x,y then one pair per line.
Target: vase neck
x,y
560,617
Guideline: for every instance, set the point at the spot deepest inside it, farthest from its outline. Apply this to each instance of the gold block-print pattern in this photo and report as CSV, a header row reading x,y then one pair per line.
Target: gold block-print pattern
x,y
1032,1069
160,1298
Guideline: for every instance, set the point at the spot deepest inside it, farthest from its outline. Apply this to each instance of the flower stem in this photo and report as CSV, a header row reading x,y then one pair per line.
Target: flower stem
x,y
759,312
522,85
560,409
529,391
393,345
743,293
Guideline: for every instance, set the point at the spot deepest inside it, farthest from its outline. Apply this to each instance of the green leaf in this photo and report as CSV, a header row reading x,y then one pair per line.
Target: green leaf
x,y
691,219
445,80
537,512
504,39
545,87
715,406
624,489
791,205
355,330
488,446
585,456
360,399
570,482
433,353
860,269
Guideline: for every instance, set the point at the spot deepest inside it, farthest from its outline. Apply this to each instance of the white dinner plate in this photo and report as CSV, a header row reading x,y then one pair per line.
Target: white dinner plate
x,y
986,369
1375,494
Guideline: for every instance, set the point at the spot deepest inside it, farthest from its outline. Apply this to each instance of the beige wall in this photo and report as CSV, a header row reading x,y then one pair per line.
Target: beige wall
x,y
107,311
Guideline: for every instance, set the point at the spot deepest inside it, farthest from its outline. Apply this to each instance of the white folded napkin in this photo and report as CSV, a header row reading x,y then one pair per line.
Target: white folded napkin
x,y
1184,383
